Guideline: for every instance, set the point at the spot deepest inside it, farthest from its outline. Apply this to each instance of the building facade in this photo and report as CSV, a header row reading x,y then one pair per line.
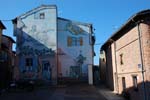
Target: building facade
x,y
6,61
2,27
127,53
51,48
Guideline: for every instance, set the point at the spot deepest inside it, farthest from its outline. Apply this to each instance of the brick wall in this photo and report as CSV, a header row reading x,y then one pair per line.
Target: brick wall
x,y
128,47
145,31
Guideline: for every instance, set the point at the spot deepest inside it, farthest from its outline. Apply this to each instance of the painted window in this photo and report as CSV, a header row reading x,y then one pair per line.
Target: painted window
x,y
135,84
39,16
29,64
42,16
74,71
75,41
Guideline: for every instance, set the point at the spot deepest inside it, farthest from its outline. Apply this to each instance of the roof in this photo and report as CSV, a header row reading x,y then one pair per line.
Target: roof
x,y
2,26
9,38
75,22
47,6
131,21
37,8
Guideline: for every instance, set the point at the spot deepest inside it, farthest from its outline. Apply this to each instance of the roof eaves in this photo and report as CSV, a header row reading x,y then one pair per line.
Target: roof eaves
x,y
9,38
75,22
40,7
125,25
2,25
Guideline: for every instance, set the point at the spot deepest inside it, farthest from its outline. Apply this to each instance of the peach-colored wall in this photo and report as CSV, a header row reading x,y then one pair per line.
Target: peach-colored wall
x,y
133,43
145,30
128,45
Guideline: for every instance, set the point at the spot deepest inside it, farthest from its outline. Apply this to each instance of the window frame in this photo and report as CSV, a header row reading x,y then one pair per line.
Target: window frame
x,y
121,59
29,63
41,15
74,41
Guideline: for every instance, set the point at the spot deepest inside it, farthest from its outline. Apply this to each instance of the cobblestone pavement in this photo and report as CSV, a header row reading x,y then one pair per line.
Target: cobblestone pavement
x,y
71,92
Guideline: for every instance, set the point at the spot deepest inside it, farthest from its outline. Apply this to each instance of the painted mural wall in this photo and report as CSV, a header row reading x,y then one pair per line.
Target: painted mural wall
x,y
74,49
36,42
49,46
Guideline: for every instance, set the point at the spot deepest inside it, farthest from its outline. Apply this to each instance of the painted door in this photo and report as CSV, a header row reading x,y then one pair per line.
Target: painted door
x,y
74,71
46,70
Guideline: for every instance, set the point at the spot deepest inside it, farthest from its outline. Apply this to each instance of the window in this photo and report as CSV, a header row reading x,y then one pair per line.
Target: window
x,y
39,16
75,41
3,56
42,15
29,64
46,66
135,84
121,59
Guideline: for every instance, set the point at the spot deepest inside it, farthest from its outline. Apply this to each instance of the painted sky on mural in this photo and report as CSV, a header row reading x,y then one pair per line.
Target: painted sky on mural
x,y
107,16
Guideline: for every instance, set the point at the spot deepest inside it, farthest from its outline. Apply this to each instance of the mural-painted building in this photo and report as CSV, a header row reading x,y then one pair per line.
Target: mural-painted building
x,y
50,47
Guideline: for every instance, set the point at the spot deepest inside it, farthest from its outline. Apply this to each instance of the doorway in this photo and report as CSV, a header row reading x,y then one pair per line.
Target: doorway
x,y
46,70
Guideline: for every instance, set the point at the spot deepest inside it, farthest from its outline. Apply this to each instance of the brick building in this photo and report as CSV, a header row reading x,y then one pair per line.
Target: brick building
x,y
127,57
6,59
2,27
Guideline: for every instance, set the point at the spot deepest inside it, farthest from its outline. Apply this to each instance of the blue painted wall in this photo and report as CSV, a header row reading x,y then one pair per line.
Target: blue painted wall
x,y
68,28
36,33
46,38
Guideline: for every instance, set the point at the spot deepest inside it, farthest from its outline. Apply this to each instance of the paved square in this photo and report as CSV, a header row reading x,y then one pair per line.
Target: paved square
x,y
71,92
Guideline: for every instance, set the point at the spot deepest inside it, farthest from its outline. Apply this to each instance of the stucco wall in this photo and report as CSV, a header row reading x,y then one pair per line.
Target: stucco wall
x,y
72,52
36,39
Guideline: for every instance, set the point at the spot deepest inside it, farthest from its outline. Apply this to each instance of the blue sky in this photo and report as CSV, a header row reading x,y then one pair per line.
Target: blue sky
x,y
105,15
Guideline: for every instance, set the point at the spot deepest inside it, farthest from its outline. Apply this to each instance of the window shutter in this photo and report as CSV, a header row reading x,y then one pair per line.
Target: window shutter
x,y
81,41
69,41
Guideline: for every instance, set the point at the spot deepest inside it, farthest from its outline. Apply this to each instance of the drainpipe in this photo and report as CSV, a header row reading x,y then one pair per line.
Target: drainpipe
x,y
141,56
141,53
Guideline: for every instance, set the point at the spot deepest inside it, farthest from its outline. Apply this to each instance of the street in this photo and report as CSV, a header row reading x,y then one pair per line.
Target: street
x,y
69,92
